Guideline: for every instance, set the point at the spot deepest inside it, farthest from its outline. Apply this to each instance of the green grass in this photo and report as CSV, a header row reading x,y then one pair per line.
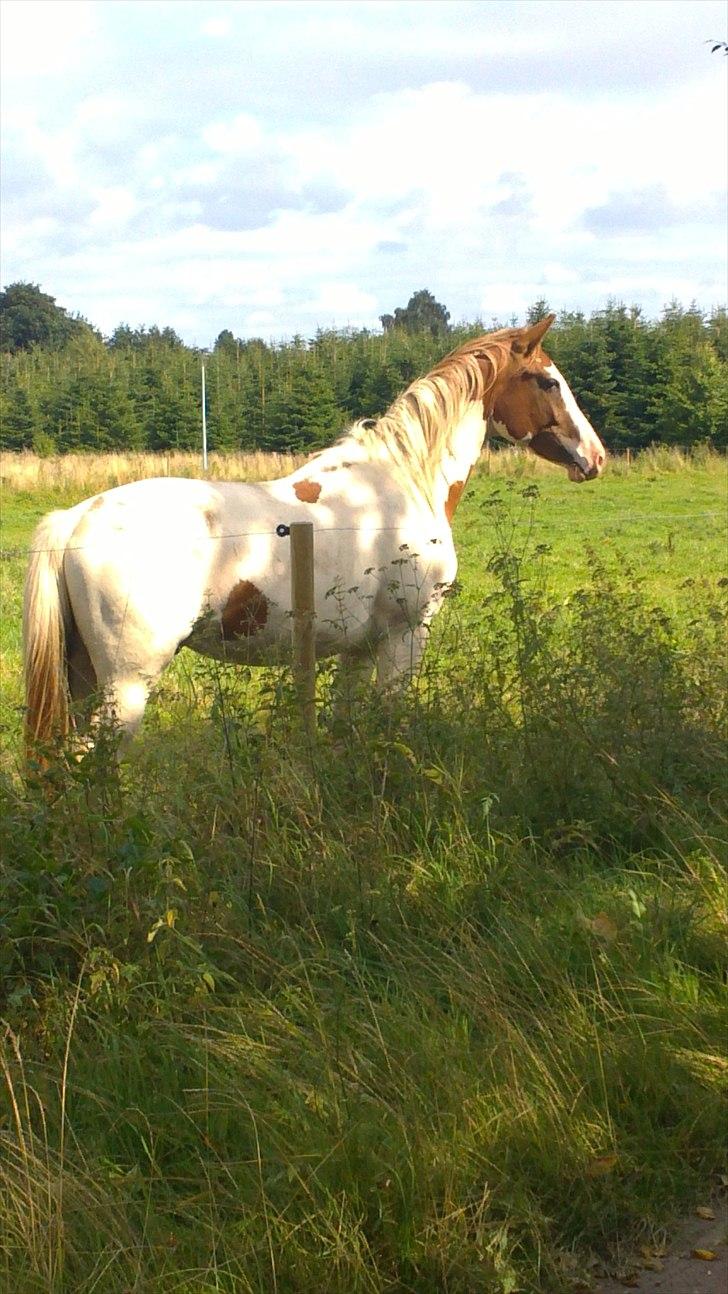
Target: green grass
x,y
666,521
437,1008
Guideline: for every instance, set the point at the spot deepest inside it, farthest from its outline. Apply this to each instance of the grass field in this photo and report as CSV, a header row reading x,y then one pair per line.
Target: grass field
x,y
436,1007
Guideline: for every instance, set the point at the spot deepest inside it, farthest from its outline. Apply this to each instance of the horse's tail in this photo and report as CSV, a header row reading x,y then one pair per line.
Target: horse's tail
x,y
47,620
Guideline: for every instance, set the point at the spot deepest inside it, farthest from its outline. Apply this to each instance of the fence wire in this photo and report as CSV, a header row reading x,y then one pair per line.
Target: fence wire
x,y
12,554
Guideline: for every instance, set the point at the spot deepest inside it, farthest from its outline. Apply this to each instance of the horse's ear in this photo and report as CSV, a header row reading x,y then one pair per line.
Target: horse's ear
x,y
527,339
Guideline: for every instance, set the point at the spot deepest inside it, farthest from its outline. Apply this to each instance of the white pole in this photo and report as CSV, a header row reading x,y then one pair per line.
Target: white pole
x,y
204,424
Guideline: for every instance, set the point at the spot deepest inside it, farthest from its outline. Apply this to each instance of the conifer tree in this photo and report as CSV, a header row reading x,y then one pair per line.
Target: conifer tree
x,y
629,356
538,310
680,403
717,328
18,424
306,416
638,381
579,350
111,422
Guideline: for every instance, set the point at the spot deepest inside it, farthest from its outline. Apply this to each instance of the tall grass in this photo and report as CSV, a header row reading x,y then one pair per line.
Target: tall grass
x,y
435,1006
88,472
74,472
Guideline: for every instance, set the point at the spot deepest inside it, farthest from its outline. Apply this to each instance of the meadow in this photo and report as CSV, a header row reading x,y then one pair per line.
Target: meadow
x,y
437,1005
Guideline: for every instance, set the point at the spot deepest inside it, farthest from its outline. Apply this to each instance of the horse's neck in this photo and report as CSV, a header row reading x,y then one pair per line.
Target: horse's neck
x,y
460,452
456,454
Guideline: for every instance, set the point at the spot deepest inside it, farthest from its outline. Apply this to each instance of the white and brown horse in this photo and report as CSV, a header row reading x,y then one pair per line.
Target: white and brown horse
x,y
117,584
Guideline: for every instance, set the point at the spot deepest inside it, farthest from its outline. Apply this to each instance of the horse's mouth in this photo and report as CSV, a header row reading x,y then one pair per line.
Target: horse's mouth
x,y
579,474
576,473
551,447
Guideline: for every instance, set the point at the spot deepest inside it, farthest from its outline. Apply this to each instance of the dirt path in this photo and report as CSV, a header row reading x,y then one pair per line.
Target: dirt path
x,y
678,1271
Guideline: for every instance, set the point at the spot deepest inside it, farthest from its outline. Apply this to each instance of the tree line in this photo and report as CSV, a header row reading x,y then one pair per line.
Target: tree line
x,y
66,388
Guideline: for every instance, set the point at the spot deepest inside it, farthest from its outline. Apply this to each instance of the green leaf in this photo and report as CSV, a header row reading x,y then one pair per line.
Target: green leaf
x,y
435,775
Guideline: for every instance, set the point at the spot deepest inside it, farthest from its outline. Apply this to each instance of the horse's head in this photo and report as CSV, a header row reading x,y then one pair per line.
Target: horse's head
x,y
535,407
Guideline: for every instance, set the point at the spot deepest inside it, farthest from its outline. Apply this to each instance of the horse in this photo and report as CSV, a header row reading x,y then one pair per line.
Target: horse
x,y
120,583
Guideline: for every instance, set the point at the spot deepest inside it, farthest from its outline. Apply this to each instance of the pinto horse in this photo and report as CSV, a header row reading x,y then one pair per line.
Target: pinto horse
x,y
119,583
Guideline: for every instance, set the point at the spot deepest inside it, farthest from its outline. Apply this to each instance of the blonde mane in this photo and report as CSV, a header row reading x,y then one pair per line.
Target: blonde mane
x,y
415,431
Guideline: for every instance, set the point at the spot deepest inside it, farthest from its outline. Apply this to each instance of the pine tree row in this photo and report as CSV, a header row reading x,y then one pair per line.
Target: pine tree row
x,y
639,381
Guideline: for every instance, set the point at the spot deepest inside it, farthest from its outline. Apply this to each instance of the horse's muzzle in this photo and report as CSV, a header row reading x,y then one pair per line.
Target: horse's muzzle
x,y
579,474
550,446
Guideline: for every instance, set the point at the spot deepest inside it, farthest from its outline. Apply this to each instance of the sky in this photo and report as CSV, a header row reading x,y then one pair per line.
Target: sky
x,y
275,167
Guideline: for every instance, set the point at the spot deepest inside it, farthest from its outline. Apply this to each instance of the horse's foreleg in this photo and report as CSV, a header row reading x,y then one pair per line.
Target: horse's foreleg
x,y
353,675
399,655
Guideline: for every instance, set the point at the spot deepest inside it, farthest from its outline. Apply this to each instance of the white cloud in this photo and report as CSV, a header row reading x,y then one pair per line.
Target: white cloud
x,y
557,273
300,198
114,208
344,302
46,37
28,241
54,149
241,135
216,27
202,174
260,321
107,119
452,146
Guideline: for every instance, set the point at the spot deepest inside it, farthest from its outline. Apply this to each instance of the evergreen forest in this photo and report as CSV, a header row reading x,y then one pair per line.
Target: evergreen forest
x,y
66,388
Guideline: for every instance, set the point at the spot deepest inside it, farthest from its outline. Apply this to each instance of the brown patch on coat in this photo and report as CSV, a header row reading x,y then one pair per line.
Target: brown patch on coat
x,y
98,502
454,495
245,613
307,491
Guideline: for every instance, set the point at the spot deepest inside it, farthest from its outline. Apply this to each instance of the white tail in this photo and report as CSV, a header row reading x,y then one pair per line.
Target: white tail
x,y
47,618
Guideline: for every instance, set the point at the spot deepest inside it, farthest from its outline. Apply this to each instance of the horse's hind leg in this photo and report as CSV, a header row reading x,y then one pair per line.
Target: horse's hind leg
x,y
125,700
122,688
126,641
83,690
121,705
121,700
82,680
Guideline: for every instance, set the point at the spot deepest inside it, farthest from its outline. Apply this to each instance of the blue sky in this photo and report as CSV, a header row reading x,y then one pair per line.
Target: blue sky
x,y
275,167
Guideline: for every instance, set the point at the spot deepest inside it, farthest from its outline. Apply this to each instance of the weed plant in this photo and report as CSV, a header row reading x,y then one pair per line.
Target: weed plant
x,y
434,1004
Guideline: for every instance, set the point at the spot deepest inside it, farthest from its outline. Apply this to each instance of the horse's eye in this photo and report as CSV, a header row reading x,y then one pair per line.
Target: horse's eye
x,y
545,383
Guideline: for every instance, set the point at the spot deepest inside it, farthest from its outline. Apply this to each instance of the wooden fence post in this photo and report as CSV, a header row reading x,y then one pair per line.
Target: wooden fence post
x,y
302,606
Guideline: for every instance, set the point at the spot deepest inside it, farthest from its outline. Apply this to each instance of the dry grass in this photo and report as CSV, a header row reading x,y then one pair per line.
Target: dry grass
x,y
27,471
76,473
